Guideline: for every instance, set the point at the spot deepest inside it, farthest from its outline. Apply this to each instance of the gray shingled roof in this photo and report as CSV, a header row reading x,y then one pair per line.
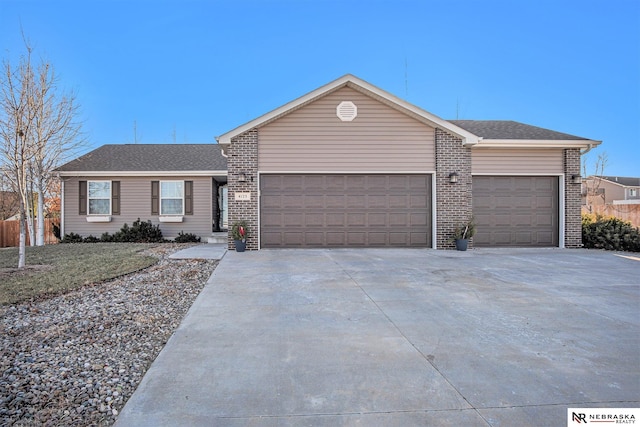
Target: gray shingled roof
x,y
507,129
622,180
150,157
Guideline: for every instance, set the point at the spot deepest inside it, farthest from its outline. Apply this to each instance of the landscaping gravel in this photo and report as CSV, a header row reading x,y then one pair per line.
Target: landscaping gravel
x,y
75,359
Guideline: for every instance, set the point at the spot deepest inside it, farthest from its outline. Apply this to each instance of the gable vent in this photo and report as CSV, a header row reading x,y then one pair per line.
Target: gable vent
x,y
346,111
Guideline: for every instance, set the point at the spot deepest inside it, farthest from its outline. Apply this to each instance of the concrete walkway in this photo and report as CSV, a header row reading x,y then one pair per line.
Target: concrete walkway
x,y
400,338
204,251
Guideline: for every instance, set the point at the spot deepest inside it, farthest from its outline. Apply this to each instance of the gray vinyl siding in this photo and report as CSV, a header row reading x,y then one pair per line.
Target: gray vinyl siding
x,y
135,202
314,139
517,161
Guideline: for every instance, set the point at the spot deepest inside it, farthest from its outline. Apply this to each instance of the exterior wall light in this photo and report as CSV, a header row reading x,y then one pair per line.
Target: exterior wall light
x,y
576,179
453,177
242,177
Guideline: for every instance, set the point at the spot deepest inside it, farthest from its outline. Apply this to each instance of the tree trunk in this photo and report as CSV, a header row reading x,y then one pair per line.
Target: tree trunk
x,y
29,218
23,238
40,215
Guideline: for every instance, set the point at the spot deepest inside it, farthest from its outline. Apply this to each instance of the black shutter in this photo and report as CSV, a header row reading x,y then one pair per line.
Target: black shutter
x,y
155,197
188,197
82,199
115,197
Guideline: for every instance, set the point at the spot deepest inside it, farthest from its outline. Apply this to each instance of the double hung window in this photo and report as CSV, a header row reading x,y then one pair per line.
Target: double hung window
x,y
171,197
99,197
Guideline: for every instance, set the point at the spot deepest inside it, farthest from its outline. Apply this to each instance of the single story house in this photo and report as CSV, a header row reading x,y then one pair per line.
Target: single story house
x,y
350,165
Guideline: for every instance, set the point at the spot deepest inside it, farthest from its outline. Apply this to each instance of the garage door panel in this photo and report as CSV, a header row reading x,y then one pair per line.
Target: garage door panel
x,y
377,219
355,182
377,202
313,220
289,201
356,220
335,220
314,238
272,219
516,211
418,239
310,201
399,202
398,239
355,238
418,202
335,201
334,182
293,219
346,210
377,239
356,202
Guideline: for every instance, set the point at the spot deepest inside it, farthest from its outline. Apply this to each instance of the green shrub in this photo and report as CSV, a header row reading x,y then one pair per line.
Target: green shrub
x,y
609,233
71,238
139,232
187,238
56,230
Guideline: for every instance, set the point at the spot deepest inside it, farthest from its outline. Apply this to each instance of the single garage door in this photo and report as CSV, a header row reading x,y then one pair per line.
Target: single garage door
x,y
352,210
515,210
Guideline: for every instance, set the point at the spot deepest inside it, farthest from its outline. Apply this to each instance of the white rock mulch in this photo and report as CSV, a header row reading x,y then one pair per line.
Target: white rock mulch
x,y
75,359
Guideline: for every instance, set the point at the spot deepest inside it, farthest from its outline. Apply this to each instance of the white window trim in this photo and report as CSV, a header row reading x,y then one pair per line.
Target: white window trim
x,y
165,216
99,198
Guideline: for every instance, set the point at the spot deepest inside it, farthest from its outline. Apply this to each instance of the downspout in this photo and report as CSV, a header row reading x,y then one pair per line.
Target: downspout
x,y
61,206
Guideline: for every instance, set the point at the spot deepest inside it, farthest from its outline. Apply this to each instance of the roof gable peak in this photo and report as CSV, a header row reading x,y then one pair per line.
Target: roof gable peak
x,y
353,82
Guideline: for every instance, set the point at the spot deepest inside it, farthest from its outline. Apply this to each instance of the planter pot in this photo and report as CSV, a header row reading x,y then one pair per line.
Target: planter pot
x,y
461,244
240,245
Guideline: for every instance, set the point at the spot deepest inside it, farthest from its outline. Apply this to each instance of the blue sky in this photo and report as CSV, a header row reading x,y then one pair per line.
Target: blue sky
x,y
187,71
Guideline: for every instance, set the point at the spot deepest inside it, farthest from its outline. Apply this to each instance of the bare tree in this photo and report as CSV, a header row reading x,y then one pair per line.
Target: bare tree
x,y
38,129
593,181
16,87
56,135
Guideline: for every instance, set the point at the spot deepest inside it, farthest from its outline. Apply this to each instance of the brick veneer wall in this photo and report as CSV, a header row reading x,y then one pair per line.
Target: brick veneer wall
x,y
243,157
453,201
572,200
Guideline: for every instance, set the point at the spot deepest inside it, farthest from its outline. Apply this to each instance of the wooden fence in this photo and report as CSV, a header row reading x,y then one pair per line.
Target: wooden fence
x,y
10,233
629,213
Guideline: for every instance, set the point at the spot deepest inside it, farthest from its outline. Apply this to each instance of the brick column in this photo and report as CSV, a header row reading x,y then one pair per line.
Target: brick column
x,y
572,200
453,201
243,158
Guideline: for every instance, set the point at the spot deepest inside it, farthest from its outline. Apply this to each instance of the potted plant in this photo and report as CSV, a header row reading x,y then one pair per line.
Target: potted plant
x,y
463,233
239,234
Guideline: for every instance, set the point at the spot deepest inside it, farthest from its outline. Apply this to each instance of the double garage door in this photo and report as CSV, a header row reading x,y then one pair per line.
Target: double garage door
x,y
345,210
516,210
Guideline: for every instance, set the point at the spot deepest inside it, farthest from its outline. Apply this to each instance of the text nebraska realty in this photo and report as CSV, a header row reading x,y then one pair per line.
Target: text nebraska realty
x,y
604,418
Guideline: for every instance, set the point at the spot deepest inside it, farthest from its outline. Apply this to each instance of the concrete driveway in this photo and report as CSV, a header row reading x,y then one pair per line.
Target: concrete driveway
x,y
379,337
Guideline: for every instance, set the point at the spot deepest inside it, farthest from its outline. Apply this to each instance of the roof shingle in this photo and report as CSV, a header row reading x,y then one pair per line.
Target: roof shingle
x,y
150,157
507,129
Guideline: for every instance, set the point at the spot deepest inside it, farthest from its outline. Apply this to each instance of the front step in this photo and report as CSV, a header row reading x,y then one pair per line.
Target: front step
x,y
218,237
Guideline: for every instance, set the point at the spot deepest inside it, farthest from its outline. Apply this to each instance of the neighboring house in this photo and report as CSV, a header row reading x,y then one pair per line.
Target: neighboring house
x,y
350,165
9,205
182,187
346,165
606,190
